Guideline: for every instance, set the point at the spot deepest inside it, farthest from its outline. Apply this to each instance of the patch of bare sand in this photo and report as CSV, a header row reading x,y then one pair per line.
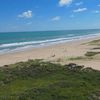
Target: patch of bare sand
x,y
53,53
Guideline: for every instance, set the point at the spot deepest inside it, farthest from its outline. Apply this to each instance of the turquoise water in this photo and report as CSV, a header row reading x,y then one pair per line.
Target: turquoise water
x,y
15,41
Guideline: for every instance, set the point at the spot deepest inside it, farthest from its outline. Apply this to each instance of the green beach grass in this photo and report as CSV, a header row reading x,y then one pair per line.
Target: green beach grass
x,y
37,80
95,42
90,53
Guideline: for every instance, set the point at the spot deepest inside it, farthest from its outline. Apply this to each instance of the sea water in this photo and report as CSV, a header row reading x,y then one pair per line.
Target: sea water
x,y
16,41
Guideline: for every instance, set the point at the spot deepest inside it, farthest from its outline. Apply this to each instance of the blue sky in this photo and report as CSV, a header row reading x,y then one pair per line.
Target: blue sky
x,y
36,15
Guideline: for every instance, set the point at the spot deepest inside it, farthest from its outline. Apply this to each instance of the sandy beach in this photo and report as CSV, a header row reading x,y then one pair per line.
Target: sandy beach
x,y
61,53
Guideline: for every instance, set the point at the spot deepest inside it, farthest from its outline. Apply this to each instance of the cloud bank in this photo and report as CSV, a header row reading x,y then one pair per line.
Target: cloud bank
x,y
64,2
80,10
57,18
26,14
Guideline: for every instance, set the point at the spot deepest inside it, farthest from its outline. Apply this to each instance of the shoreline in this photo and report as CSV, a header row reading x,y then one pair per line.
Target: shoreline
x,y
44,43
54,52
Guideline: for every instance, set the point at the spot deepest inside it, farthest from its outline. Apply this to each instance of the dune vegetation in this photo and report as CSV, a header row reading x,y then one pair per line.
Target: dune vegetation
x,y
38,80
91,53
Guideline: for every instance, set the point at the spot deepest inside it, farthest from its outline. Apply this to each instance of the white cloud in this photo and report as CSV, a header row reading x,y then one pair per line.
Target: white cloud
x,y
65,2
29,23
26,14
98,5
80,10
96,11
78,3
71,16
57,18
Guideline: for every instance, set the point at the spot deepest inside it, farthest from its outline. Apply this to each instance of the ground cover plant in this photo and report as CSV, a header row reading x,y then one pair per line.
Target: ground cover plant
x,y
38,80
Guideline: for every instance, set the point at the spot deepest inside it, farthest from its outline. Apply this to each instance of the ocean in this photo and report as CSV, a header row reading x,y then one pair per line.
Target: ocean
x,y
17,41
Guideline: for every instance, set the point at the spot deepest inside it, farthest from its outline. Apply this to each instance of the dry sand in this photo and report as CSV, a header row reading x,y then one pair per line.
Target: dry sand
x,y
56,53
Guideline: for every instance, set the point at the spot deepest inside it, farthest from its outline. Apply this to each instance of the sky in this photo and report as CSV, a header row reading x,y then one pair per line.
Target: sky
x,y
43,15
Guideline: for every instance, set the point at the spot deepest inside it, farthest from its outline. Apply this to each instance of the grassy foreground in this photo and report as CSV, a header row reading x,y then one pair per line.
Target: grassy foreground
x,y
37,80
